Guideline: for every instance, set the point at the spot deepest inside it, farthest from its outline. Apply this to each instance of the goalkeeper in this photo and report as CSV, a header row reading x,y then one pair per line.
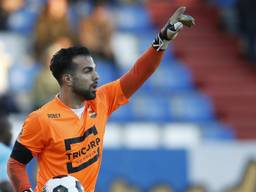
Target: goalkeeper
x,y
66,134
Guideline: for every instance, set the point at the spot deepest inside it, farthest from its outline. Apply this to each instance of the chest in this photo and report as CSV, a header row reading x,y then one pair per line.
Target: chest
x,y
72,133
75,142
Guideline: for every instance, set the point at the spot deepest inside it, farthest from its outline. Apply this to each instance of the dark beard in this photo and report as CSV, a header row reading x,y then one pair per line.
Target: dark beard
x,y
85,94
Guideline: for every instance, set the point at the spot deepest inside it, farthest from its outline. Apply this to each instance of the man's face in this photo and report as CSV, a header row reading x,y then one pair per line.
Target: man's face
x,y
85,77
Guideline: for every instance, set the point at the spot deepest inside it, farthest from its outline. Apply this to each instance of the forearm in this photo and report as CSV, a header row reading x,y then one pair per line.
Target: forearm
x,y
141,71
18,175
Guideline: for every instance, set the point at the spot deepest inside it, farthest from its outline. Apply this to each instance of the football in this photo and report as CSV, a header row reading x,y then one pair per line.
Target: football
x,y
66,183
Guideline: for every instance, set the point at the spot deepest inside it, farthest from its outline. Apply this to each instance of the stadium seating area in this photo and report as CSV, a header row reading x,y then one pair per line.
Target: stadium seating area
x,y
203,92
169,96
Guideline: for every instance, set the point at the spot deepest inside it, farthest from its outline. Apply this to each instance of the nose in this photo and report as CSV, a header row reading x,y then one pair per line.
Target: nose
x,y
96,76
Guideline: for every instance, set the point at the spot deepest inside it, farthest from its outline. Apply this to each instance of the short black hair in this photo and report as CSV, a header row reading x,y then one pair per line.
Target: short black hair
x,y
61,61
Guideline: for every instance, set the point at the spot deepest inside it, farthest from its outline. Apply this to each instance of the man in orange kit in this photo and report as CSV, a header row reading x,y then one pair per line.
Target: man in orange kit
x,y
66,134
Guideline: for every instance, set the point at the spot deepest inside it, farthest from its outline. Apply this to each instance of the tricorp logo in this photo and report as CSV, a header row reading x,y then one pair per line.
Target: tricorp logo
x,y
86,155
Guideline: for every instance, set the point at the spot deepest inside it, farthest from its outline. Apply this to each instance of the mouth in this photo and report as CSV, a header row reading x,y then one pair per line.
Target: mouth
x,y
94,86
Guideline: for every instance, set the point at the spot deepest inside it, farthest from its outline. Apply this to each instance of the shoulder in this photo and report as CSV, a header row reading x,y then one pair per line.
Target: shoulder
x,y
106,91
41,114
112,86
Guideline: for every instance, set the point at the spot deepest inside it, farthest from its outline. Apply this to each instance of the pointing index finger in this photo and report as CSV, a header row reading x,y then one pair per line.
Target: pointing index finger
x,y
177,14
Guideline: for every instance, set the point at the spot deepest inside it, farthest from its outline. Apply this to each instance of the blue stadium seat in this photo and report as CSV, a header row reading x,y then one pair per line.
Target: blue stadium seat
x,y
145,40
168,58
133,19
106,71
122,114
171,78
150,108
191,107
22,76
23,22
217,131
15,45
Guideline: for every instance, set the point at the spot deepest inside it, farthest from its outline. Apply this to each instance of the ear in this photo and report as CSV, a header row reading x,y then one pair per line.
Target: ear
x,y
67,79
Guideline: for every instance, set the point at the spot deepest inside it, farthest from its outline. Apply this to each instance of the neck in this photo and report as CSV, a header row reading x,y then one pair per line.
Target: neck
x,y
70,99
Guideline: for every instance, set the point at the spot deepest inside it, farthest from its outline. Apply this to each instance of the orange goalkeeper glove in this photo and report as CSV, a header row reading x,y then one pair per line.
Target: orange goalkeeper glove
x,y
172,28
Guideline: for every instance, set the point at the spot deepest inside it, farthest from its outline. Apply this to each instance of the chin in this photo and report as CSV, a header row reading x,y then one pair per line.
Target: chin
x,y
90,96
86,95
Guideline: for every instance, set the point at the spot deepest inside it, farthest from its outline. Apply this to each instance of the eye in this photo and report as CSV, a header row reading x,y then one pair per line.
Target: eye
x,y
87,69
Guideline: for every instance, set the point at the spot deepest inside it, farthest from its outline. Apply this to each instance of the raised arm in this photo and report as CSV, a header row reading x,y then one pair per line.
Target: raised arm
x,y
151,58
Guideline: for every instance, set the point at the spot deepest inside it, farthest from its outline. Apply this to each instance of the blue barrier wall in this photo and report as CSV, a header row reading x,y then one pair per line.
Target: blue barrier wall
x,y
144,169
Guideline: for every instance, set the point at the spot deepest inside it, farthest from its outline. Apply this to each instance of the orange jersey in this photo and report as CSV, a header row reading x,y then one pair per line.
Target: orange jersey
x,y
66,144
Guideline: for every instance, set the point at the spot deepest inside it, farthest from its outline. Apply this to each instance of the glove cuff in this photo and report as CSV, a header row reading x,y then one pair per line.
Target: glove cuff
x,y
160,44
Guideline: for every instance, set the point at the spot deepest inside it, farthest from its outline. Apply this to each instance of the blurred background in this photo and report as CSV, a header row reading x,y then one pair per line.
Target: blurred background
x,y
190,128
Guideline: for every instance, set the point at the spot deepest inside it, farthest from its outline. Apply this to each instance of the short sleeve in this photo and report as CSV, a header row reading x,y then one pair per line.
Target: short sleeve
x,y
32,135
113,95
